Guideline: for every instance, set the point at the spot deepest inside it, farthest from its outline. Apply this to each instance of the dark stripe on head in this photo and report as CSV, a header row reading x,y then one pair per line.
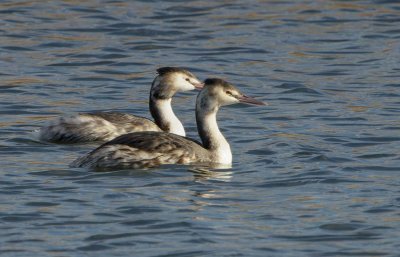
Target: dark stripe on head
x,y
165,70
215,81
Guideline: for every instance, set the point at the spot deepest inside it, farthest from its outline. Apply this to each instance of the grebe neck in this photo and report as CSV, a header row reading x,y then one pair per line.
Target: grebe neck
x,y
211,136
161,109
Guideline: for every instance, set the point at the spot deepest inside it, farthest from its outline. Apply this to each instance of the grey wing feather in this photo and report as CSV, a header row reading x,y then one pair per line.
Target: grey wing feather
x,y
118,117
100,126
143,150
129,123
155,141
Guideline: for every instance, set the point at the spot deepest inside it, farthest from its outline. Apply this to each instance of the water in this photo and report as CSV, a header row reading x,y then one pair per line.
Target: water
x,y
316,173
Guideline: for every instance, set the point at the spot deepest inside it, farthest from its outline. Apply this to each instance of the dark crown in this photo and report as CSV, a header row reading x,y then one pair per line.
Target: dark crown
x,y
164,70
215,81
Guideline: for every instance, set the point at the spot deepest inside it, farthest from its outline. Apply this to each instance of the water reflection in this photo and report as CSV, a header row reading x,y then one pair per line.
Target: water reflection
x,y
214,172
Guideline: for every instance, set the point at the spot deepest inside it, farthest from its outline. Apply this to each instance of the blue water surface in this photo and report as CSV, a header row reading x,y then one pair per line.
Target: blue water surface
x,y
315,173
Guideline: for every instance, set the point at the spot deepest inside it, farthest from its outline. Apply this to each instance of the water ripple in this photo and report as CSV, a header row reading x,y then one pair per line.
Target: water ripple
x,y
314,173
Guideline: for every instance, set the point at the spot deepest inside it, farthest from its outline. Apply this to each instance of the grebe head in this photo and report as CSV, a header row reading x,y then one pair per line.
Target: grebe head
x,y
171,80
218,92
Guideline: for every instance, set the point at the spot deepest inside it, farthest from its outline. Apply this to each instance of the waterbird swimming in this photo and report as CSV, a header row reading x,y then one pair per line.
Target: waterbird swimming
x,y
150,149
104,126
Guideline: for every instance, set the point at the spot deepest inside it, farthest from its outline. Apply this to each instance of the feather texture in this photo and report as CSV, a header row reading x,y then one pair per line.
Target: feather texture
x,y
100,126
144,150
104,126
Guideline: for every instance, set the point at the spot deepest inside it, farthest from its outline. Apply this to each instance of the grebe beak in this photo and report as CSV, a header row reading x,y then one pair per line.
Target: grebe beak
x,y
250,100
198,85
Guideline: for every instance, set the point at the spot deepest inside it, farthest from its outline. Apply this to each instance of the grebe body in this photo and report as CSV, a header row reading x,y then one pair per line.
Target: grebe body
x,y
150,149
104,126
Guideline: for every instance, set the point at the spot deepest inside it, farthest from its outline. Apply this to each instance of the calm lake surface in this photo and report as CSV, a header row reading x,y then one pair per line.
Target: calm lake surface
x,y
315,173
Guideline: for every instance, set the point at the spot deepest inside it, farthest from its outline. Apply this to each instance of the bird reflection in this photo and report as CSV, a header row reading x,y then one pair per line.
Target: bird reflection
x,y
214,171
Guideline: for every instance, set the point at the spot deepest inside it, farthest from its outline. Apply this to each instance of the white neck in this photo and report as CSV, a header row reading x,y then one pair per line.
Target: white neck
x,y
161,109
166,117
212,138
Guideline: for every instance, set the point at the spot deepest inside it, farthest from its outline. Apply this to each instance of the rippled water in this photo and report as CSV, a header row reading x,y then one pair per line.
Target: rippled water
x,y
316,173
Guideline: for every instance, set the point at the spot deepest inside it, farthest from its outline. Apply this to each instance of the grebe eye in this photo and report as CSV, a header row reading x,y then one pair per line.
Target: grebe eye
x,y
229,93
187,79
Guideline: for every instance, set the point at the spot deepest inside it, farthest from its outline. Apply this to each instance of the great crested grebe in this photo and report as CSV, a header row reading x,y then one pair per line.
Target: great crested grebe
x,y
150,149
104,126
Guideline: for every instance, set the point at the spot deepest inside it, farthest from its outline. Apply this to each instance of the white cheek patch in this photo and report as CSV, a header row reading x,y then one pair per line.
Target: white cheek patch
x,y
227,100
183,85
